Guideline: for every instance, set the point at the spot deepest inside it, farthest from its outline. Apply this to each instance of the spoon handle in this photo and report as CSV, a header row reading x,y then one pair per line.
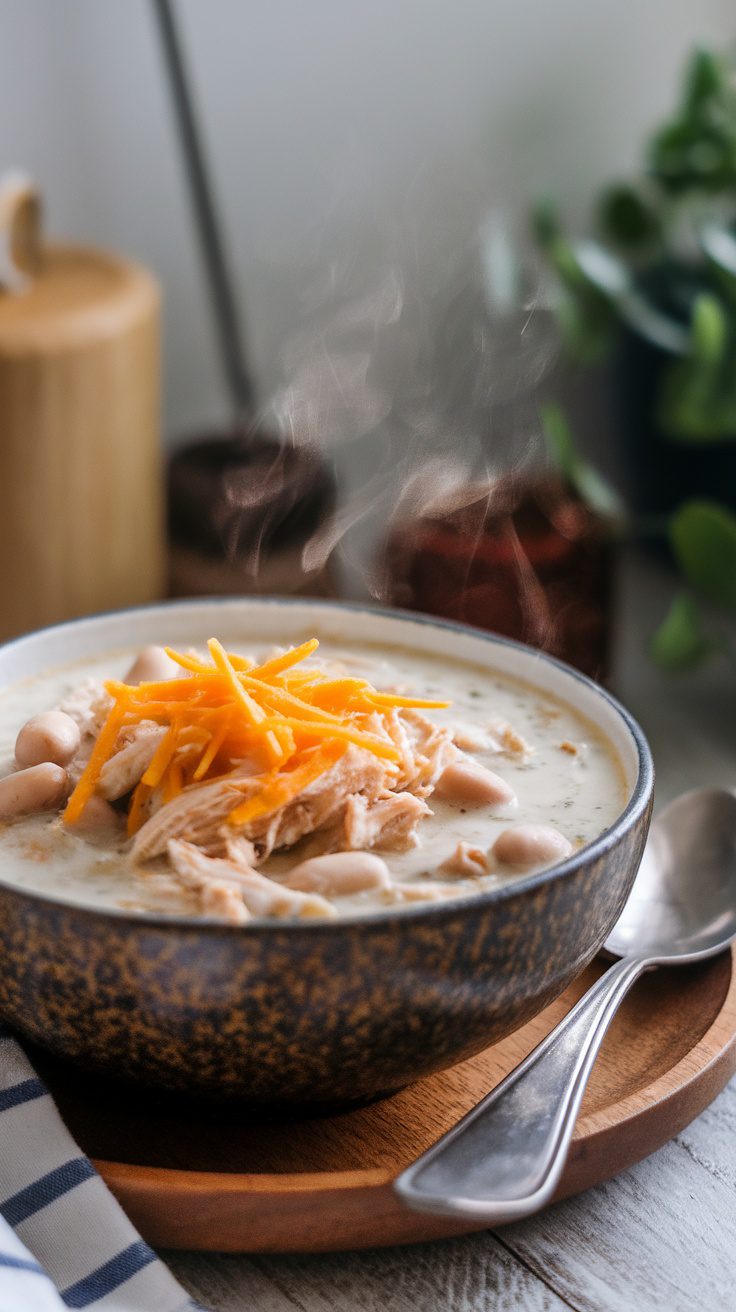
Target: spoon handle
x,y
504,1159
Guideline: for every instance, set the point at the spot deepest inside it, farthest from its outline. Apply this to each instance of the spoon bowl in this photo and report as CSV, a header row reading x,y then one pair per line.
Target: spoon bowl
x,y
682,906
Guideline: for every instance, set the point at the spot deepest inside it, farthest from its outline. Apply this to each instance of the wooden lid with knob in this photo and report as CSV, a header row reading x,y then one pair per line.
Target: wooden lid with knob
x,y
80,296
60,296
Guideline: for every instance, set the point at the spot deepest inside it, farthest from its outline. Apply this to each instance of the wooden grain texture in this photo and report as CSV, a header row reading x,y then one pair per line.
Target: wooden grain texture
x,y
659,1236
481,1275
80,483
191,1178
684,1243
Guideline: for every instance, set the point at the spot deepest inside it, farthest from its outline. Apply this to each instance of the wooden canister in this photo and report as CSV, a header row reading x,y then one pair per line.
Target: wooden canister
x,y
81,525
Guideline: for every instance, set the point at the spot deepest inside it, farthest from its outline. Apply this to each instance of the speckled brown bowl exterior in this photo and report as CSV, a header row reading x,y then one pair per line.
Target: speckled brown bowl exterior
x,y
311,1013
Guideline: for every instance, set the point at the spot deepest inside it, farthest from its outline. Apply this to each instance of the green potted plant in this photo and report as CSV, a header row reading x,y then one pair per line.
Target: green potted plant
x,y
655,292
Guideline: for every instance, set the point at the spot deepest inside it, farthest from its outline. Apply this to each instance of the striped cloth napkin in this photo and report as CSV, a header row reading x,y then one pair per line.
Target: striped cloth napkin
x,y
64,1240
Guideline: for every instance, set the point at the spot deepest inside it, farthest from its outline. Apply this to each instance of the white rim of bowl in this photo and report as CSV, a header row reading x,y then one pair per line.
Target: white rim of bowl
x,y
641,791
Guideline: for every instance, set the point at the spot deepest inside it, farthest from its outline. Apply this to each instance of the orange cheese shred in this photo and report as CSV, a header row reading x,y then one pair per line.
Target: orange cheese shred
x,y
281,788
141,794
253,712
286,723
101,752
213,747
161,757
396,699
277,664
318,729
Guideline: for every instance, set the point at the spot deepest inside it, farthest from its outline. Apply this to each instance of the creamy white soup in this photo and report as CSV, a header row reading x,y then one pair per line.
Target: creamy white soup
x,y
503,780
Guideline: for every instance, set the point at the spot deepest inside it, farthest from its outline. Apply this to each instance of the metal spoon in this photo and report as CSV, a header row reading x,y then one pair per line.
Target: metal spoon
x,y
504,1160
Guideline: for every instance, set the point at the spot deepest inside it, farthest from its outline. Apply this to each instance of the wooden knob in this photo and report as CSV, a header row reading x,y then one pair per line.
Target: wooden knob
x,y
20,232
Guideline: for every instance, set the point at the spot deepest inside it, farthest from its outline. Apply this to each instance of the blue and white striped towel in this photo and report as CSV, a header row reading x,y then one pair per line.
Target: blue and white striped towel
x,y
64,1240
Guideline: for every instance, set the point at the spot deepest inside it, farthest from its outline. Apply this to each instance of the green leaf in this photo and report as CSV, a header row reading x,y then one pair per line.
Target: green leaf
x,y
697,400
703,537
592,487
597,492
696,149
679,643
705,78
626,218
709,329
567,266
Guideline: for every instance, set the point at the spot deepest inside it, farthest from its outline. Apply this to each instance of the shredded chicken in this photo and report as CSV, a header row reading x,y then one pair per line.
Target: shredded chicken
x,y
471,739
199,812
88,706
398,733
240,888
357,774
219,898
512,743
135,752
196,815
431,748
389,823
241,852
467,861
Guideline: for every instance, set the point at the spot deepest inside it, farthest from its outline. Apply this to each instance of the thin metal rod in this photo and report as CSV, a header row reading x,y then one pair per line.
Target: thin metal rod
x,y
228,326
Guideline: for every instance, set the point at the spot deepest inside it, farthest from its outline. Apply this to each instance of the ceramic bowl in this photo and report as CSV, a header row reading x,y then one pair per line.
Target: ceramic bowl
x,y
321,1012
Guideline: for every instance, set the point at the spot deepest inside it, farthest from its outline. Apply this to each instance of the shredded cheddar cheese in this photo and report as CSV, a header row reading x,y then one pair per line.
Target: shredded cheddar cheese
x,y
291,724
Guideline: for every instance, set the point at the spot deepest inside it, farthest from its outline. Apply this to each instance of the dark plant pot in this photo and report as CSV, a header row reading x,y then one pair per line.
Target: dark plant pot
x,y
528,561
660,473
242,511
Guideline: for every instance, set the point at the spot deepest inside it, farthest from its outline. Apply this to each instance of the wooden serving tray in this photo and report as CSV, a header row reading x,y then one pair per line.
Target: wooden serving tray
x,y
220,1179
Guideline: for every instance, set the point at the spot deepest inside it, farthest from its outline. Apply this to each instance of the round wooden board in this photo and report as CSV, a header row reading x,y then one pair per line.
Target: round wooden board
x,y
218,1179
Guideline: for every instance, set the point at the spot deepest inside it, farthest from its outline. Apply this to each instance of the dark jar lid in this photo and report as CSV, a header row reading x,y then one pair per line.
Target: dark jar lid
x,y
233,498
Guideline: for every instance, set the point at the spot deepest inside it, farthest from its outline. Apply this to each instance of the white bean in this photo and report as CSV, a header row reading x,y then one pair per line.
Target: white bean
x,y
52,736
339,874
531,845
467,781
151,665
39,788
98,819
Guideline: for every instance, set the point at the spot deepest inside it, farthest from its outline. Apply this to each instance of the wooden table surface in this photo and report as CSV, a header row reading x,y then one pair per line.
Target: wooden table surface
x,y
662,1235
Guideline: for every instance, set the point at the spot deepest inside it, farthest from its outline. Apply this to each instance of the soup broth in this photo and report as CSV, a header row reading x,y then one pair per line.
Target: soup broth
x,y
560,770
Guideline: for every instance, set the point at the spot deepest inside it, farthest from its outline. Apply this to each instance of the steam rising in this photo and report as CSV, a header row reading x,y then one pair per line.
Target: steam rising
x,y
334,392
418,386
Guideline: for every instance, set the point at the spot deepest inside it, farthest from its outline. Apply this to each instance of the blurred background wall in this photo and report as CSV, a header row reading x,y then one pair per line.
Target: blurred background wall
x,y
332,127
